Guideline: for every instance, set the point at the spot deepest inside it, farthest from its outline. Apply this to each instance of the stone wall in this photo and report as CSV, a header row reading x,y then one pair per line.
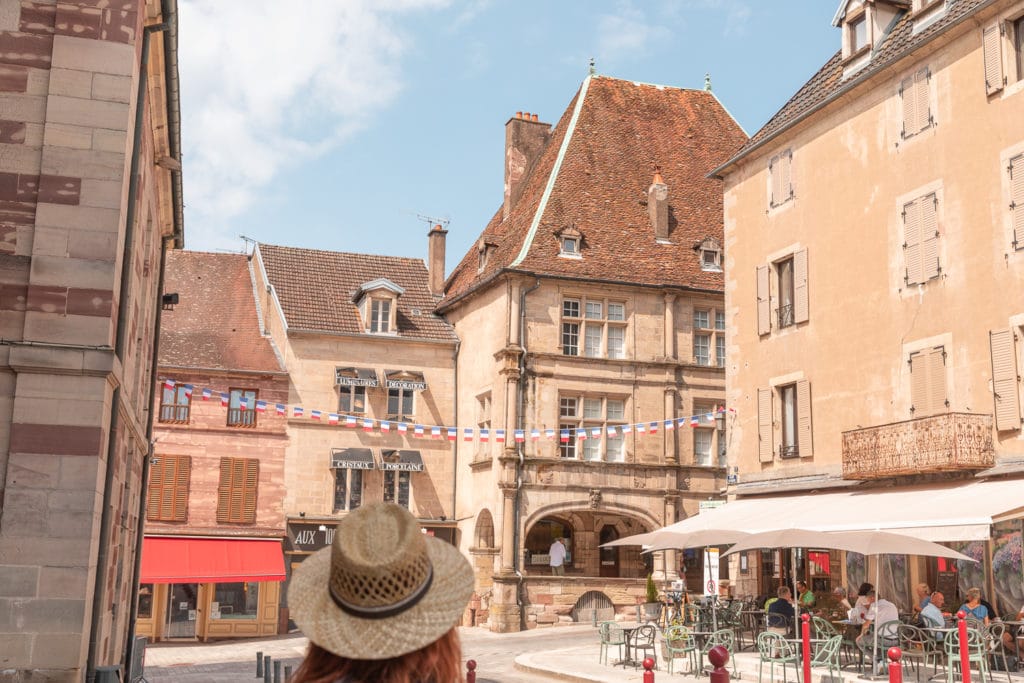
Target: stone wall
x,y
549,601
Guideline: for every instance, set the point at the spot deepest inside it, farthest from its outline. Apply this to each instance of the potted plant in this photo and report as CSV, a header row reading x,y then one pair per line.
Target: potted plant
x,y
652,607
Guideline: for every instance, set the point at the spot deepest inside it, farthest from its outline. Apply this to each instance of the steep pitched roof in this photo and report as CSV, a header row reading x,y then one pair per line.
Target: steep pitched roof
x,y
215,324
594,174
828,83
316,290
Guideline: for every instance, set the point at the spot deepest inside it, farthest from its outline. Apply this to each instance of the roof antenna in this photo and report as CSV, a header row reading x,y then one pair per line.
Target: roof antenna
x,y
432,221
247,243
707,82
593,70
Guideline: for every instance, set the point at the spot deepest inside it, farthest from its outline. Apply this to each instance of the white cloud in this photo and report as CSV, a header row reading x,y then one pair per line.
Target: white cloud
x,y
628,33
269,84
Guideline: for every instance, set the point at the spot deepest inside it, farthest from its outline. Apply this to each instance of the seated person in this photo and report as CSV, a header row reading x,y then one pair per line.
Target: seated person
x,y
931,614
879,612
781,612
842,600
974,608
922,596
1013,638
806,597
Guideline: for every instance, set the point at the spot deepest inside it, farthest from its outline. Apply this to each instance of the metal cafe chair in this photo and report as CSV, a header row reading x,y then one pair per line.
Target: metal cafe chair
x,y
612,635
644,641
919,648
679,642
994,642
773,649
976,653
827,655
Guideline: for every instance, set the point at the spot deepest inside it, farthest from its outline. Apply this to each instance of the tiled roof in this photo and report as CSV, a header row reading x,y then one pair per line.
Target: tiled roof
x,y
316,290
214,325
829,83
623,132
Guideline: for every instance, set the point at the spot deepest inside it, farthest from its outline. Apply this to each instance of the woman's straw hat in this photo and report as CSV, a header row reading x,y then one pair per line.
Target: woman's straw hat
x,y
382,589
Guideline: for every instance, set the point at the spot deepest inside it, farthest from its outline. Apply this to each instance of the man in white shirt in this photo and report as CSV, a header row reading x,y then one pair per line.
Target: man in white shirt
x,y
556,557
880,612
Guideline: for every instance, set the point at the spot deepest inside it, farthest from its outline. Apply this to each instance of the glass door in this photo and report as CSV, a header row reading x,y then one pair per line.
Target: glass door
x,y
182,601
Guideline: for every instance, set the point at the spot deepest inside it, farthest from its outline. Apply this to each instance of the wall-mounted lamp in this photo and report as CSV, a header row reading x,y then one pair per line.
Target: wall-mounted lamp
x,y
169,301
302,514
322,527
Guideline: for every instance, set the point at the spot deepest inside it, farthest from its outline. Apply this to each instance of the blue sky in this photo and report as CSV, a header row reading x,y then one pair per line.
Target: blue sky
x,y
334,124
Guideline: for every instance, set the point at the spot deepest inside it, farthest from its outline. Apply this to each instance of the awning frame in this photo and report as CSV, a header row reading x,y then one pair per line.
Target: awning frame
x,y
405,379
360,459
356,377
393,460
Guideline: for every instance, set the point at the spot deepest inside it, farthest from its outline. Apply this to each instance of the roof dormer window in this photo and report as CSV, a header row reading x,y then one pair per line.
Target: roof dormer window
x,y
710,254
570,242
380,315
570,246
378,306
858,33
483,251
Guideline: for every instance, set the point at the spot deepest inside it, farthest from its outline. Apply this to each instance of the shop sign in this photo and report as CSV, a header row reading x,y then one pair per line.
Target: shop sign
x,y
309,537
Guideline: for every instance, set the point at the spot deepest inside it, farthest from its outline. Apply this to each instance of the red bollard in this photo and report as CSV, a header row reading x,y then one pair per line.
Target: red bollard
x,y
805,643
471,671
965,662
719,657
895,667
648,670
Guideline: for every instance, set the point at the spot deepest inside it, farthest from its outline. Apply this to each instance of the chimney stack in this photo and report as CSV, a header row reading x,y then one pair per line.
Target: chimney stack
x,y
657,206
435,259
525,139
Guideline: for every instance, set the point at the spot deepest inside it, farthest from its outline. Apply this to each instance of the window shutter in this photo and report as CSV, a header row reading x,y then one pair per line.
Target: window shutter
x,y
168,488
909,106
786,182
1005,384
224,491
182,475
912,241
992,42
803,419
236,494
1017,199
774,195
156,488
763,303
937,380
765,448
800,304
252,474
922,106
929,237
919,394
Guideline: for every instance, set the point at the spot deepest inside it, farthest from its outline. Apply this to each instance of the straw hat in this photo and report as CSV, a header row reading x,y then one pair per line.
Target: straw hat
x,y
382,589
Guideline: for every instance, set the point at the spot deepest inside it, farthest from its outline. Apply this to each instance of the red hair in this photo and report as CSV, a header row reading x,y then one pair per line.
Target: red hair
x,y
438,662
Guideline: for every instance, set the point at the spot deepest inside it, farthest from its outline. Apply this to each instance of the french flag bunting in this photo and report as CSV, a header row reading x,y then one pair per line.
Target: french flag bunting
x,y
467,434
670,425
485,435
385,426
188,390
417,430
224,399
581,434
694,421
453,434
367,425
261,406
563,436
350,421
280,408
626,429
595,433
402,428
653,428
499,435
207,394
611,431
314,415
243,403
641,428
519,436
435,432
710,417
549,434
535,435
681,422
332,418
169,383
297,411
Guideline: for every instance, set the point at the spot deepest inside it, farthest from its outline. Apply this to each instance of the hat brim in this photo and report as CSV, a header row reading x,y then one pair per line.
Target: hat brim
x,y
324,623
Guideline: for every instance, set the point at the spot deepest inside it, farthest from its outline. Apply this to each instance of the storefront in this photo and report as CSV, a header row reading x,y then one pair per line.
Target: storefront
x,y
202,588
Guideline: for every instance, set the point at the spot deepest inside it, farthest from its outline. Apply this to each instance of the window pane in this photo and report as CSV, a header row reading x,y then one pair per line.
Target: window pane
x,y
720,350
571,339
340,489
593,340
616,409
145,601
786,282
702,349
788,396
592,449
567,449
407,397
355,491
616,342
702,446
719,320
394,401
616,311
569,245
700,320
592,408
594,310
404,478
359,400
860,34
567,407
237,600
570,308
616,452
389,486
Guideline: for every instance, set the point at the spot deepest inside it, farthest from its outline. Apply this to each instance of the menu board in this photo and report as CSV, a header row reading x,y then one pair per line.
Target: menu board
x,y
946,584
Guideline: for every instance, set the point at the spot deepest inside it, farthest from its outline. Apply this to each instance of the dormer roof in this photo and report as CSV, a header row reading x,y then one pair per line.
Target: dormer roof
x,y
376,285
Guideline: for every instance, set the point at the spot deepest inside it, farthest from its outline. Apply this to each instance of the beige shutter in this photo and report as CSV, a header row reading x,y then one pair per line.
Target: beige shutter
x,y
922,107
912,241
764,322
765,449
803,419
786,182
800,303
1005,383
1017,199
992,42
919,393
774,175
929,237
909,106
938,401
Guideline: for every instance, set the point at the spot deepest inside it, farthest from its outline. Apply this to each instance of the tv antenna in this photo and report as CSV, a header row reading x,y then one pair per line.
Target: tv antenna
x,y
432,221
249,244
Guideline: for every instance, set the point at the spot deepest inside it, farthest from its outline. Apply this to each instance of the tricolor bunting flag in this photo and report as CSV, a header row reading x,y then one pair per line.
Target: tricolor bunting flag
x,y
581,434
563,436
169,383
653,428
694,421
549,434
417,430
435,432
627,429
595,433
297,411
261,406
670,425
351,421
467,434
499,435
519,436
641,428
243,402
535,435
402,427
367,425
611,430
332,418
207,394
280,408
453,434
314,415
485,434
188,390
224,399
385,426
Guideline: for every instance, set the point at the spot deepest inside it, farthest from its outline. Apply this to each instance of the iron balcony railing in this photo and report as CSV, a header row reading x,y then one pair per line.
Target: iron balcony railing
x,y
785,316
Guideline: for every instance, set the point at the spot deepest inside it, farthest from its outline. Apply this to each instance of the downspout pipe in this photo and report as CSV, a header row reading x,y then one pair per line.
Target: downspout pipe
x,y
455,451
98,609
520,448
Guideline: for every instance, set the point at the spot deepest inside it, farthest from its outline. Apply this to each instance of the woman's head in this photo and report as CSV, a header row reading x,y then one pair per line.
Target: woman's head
x,y
973,594
382,591
864,588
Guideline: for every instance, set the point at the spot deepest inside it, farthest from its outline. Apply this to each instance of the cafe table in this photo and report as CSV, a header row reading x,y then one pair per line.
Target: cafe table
x,y
629,630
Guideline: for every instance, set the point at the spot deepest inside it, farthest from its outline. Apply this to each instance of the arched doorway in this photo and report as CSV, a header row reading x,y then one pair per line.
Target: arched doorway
x,y
609,556
538,542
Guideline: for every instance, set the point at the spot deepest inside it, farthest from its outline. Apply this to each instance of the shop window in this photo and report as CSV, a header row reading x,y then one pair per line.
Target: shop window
x,y
539,539
236,600
348,489
145,601
396,487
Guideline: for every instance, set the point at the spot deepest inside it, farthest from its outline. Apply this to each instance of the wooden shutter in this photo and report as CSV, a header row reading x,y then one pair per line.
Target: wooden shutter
x,y
765,448
1005,383
236,494
1017,199
168,488
909,106
919,384
764,324
929,237
800,303
803,419
992,50
937,380
912,241
922,108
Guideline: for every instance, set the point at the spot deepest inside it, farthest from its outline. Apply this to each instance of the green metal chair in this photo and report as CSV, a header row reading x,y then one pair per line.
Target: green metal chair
x,y
725,637
994,643
774,649
827,655
919,648
977,653
679,642
611,635
644,640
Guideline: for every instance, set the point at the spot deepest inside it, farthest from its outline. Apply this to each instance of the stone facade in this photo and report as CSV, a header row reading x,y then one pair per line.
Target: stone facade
x,y
80,265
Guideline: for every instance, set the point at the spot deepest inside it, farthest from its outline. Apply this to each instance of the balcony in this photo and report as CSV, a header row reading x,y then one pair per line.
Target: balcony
x,y
949,442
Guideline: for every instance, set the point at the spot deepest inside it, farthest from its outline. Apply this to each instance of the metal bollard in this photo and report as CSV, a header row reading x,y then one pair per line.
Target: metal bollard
x,y
648,670
593,617
719,657
965,662
287,673
471,671
259,665
266,668
895,667
277,671
805,644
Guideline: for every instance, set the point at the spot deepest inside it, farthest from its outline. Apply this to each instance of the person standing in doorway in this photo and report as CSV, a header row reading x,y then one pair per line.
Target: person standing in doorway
x,y
556,557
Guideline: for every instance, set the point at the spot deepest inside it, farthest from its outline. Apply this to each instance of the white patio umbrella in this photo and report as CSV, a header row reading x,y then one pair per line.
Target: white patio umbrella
x,y
863,542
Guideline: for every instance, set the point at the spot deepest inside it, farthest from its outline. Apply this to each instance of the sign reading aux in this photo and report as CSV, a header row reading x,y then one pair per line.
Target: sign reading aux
x,y
309,537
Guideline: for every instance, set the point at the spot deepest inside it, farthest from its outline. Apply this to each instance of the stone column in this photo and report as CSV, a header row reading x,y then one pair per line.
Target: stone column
x,y
671,440
670,327
508,516
671,504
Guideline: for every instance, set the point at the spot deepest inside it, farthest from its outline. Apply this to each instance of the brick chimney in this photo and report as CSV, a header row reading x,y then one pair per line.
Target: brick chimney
x,y
657,206
525,138
435,259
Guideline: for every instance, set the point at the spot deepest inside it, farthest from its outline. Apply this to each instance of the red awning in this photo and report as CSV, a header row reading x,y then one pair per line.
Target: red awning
x,y
216,560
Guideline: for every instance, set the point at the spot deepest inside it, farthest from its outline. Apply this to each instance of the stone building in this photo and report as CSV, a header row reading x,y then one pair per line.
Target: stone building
x,y
875,295
591,325
371,369
90,199
212,564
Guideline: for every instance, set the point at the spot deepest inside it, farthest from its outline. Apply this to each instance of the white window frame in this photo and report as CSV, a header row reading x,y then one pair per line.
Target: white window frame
x,y
354,394
350,475
402,396
585,327
380,319
709,337
395,479
588,412
789,421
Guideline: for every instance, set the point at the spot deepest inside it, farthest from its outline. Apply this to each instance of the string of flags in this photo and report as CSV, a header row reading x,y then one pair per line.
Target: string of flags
x,y
452,433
